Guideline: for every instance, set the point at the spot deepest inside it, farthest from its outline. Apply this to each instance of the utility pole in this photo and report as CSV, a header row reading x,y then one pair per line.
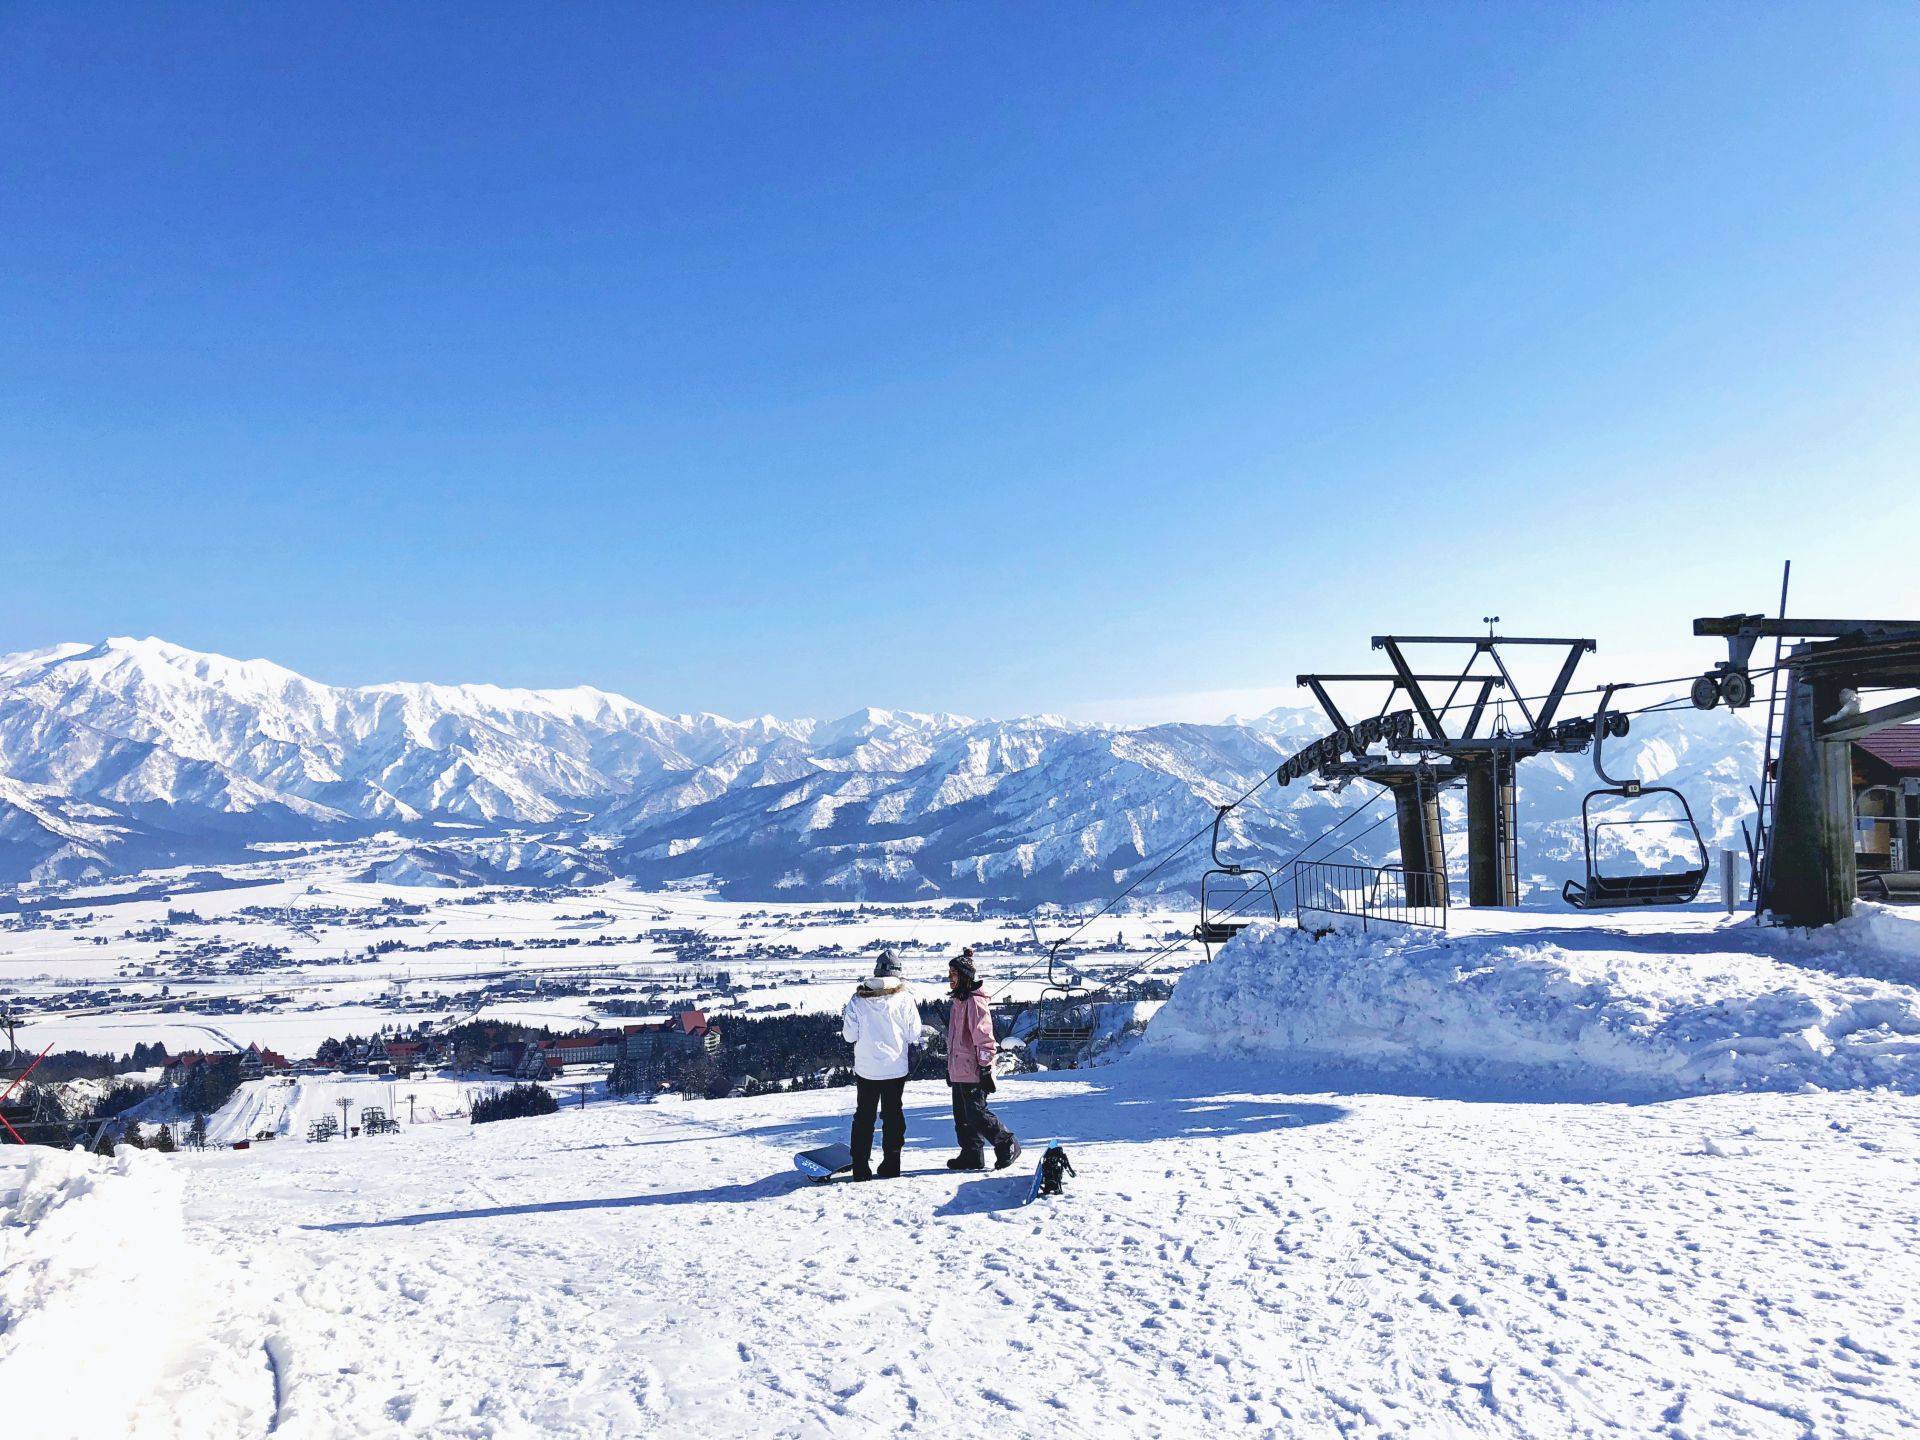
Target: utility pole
x,y
345,1106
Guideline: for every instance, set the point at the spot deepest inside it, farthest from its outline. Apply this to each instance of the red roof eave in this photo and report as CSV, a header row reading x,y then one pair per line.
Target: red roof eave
x,y
1897,746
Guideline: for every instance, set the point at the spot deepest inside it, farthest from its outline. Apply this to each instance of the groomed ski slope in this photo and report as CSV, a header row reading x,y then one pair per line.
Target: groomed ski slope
x,y
1243,1250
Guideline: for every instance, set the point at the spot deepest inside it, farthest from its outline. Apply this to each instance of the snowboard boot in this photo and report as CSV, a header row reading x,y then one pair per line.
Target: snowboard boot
x,y
889,1169
968,1160
863,1175
1006,1151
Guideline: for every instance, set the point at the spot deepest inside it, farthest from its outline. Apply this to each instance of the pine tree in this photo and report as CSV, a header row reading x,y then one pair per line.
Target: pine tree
x,y
197,1132
163,1140
133,1137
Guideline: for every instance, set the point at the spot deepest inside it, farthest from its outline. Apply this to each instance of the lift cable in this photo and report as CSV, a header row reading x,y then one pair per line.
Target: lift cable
x,y
1165,861
1174,945
1291,860
1593,690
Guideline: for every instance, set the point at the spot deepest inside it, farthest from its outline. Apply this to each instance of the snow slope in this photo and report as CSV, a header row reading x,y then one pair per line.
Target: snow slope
x,y
106,1305
286,1107
1230,1257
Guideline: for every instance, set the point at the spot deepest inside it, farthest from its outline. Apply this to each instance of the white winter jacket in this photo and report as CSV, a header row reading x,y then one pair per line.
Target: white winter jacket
x,y
882,1021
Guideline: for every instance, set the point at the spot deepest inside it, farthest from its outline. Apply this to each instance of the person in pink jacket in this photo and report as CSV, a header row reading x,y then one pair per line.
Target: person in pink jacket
x,y
970,1052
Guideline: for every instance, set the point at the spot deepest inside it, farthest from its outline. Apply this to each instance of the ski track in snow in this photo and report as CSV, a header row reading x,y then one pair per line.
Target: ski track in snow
x,y
1339,1265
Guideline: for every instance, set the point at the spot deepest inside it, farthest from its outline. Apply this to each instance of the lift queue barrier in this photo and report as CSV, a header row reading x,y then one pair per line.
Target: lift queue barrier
x,y
1386,894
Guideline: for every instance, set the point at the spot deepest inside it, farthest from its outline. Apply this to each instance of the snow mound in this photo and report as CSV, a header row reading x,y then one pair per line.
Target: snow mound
x,y
1592,1013
111,1321
1875,940
92,1259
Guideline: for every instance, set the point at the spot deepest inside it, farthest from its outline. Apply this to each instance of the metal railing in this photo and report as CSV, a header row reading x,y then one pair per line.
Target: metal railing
x,y
1390,894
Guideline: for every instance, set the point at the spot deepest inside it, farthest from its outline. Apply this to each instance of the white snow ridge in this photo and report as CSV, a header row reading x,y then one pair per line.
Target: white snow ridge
x,y
1347,1187
1591,1010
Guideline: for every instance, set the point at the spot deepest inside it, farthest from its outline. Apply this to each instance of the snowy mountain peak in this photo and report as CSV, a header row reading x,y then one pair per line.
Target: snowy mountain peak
x,y
135,752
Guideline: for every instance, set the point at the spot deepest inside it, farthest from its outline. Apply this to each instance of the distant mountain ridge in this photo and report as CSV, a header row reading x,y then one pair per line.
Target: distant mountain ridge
x,y
126,754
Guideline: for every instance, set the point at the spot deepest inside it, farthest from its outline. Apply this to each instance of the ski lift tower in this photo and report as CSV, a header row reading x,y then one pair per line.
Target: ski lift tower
x,y
1447,750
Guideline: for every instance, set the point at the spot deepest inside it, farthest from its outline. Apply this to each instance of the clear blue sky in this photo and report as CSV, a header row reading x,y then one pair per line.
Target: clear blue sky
x,y
995,359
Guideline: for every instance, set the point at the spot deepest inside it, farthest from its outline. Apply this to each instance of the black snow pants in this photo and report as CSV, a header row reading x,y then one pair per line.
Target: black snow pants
x,y
882,1096
974,1125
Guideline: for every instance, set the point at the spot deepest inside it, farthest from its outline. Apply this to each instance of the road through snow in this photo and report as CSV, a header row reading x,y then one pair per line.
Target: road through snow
x,y
1229,1257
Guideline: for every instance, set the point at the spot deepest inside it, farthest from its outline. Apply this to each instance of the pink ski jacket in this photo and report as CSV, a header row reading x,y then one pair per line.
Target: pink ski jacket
x,y
970,1043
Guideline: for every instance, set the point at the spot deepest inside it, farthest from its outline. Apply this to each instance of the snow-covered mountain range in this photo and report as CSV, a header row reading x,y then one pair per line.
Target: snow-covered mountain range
x,y
129,753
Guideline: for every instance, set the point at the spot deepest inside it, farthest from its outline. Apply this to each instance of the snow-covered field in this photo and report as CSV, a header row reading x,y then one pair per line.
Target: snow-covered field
x,y
1353,1188
297,952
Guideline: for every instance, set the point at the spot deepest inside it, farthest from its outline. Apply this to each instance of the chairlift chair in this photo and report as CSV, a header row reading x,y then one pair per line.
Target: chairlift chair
x,y
1224,892
1602,891
1064,1028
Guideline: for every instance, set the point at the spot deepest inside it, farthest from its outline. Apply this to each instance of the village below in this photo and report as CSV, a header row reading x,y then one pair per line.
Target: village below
x,y
256,1008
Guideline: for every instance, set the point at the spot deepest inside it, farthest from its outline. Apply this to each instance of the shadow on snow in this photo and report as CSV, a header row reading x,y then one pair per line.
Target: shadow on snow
x,y
1160,1109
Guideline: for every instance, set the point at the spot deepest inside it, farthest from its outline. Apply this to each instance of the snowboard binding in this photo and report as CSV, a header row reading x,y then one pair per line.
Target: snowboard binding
x,y
1054,1169
1050,1175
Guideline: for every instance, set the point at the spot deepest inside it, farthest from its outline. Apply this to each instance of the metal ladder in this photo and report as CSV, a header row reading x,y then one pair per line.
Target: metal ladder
x,y
1760,839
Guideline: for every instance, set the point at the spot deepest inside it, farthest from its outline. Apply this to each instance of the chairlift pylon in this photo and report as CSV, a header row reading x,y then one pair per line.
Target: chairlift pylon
x,y
1612,892
1224,890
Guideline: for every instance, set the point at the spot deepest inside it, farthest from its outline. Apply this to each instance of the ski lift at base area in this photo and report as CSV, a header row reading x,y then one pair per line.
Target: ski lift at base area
x,y
1603,891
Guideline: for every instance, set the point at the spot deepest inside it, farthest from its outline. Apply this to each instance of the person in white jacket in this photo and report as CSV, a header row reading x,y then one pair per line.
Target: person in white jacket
x,y
883,1022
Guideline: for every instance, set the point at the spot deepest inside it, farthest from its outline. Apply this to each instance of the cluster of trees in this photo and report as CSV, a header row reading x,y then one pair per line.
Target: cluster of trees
x,y
530,1099
84,1065
210,1084
122,1097
471,1042
693,1074
161,1139
763,1053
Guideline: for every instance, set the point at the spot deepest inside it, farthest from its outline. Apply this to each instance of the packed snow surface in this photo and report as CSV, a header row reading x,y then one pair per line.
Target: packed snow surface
x,y
1228,1257
111,1316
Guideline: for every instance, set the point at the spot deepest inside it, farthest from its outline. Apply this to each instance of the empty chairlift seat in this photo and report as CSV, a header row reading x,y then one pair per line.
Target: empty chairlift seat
x,y
1614,887
1064,1024
1232,896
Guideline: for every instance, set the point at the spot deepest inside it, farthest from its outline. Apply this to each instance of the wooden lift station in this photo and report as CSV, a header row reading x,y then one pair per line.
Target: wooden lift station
x,y
1806,873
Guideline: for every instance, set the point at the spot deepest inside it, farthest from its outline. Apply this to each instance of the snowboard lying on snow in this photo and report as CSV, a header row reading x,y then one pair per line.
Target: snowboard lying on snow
x,y
835,1162
825,1163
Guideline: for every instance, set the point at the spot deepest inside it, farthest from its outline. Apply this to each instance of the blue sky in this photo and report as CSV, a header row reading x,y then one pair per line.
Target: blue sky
x,y
1120,361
